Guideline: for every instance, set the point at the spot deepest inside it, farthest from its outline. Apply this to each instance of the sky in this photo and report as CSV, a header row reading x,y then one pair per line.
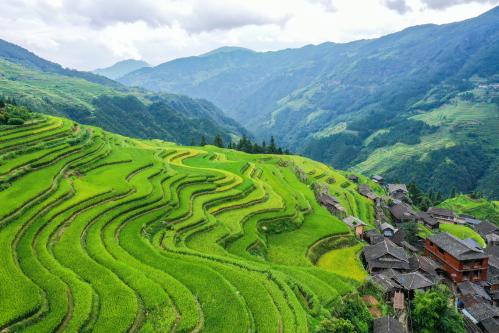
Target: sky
x,y
89,34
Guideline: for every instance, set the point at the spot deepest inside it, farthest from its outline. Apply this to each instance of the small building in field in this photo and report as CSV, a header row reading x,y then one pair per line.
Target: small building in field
x,y
388,324
378,179
353,178
356,224
459,260
366,191
397,191
385,255
442,215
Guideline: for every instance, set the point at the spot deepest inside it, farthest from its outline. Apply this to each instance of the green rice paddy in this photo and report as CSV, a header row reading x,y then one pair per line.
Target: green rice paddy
x,y
104,233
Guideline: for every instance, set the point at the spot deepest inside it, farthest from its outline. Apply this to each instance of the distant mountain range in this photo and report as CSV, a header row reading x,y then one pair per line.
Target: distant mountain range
x,y
96,100
121,68
420,105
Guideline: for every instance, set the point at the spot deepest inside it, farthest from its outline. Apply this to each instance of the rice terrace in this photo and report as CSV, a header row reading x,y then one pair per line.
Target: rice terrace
x,y
105,233
266,166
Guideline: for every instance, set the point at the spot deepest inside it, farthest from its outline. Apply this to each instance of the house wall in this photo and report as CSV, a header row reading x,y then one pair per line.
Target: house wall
x,y
456,270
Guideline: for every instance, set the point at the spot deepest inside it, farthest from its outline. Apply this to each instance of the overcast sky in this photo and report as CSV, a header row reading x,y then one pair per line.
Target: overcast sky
x,y
87,34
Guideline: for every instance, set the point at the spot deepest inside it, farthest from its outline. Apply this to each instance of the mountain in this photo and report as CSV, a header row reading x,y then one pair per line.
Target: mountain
x,y
119,234
121,68
92,99
417,105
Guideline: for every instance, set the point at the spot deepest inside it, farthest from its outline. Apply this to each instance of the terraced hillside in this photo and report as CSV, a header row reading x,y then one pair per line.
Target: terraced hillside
x,y
104,233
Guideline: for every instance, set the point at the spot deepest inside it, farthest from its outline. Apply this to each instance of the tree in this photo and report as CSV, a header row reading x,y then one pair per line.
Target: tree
x,y
272,146
203,141
193,143
218,141
411,232
353,309
431,312
335,325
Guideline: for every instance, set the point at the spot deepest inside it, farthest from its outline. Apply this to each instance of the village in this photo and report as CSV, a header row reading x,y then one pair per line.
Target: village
x,y
401,268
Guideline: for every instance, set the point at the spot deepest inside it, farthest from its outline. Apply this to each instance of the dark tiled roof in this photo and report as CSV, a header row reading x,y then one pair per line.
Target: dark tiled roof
x,y
427,219
490,325
397,187
485,228
386,254
469,288
388,325
414,280
402,211
424,264
441,212
378,177
386,283
456,247
492,250
483,311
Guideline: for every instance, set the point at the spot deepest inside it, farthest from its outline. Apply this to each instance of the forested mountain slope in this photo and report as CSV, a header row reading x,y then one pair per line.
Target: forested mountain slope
x,y
414,105
106,233
92,99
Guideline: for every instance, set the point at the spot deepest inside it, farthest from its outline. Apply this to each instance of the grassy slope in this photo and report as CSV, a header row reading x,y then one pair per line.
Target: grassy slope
x,y
108,233
480,208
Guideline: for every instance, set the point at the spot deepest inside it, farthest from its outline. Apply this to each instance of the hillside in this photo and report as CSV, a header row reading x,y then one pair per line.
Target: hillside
x,y
411,105
121,68
111,234
92,99
480,208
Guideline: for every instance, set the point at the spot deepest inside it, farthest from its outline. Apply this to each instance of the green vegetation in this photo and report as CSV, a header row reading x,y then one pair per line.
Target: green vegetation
x,y
104,233
481,208
462,232
432,312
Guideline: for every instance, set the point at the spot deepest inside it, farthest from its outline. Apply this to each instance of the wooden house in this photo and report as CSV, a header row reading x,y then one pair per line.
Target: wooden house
x,y
459,260
356,224
397,191
385,255
442,215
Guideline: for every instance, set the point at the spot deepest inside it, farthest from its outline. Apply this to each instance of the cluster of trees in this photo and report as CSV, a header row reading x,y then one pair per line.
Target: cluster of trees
x,y
11,114
432,312
246,145
424,200
349,314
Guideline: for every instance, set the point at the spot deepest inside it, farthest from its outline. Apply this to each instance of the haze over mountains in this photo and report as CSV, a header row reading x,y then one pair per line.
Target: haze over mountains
x,y
92,99
417,105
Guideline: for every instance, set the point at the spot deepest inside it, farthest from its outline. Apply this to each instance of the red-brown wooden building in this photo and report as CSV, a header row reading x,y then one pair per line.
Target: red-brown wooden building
x,y
461,261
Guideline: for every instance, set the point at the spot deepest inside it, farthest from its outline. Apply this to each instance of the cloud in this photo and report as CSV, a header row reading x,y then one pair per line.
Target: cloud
x,y
443,4
87,34
400,6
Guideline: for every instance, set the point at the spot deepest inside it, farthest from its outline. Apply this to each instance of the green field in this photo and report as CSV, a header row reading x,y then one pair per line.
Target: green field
x,y
104,233
462,232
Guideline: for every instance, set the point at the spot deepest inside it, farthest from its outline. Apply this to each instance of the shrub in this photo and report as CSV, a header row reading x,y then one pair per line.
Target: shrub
x,y
15,121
